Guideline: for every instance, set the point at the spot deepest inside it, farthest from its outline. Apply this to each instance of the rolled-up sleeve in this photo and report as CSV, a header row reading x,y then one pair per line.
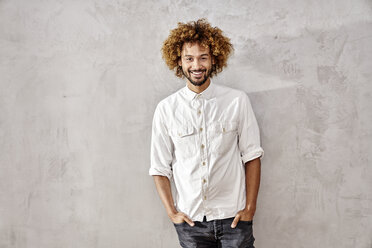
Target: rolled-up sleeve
x,y
249,134
161,147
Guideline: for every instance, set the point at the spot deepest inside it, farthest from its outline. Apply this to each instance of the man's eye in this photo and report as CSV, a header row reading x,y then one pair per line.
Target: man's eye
x,y
188,59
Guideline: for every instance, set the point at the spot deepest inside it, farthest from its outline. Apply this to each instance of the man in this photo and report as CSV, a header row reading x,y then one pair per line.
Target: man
x,y
205,138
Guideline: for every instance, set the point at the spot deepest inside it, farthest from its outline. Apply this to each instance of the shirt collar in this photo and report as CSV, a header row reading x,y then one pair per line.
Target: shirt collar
x,y
207,93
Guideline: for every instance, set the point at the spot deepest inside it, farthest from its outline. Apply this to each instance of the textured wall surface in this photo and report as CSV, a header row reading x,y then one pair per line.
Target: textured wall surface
x,y
79,82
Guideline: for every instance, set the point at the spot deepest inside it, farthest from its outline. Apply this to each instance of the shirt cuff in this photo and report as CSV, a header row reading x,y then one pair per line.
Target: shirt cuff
x,y
160,172
259,152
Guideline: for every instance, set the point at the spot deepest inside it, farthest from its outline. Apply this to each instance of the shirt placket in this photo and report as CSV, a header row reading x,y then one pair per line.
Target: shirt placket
x,y
204,179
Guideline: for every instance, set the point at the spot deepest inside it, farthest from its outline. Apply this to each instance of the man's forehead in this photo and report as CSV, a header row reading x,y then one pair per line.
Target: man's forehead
x,y
193,46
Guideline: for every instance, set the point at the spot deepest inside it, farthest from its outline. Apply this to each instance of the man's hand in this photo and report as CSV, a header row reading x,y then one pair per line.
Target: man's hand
x,y
252,180
243,215
163,186
180,217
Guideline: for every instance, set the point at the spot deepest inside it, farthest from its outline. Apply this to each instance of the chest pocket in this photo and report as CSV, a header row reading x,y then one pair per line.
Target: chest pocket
x,y
184,141
223,137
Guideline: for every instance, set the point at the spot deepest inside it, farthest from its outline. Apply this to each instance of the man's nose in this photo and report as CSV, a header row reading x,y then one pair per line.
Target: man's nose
x,y
196,64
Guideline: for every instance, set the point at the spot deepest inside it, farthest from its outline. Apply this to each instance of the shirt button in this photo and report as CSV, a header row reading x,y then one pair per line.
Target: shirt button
x,y
202,146
201,129
205,197
199,112
203,163
204,181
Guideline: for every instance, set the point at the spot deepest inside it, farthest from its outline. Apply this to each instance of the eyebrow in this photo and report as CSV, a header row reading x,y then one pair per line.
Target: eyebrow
x,y
204,54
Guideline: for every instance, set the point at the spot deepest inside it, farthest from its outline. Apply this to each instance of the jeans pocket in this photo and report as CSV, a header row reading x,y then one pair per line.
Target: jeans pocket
x,y
246,222
179,224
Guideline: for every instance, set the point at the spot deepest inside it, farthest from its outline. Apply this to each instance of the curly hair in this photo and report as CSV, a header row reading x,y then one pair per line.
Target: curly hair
x,y
203,33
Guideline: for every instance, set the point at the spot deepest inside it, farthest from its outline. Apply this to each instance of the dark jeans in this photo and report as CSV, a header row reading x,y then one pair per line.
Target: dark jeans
x,y
216,234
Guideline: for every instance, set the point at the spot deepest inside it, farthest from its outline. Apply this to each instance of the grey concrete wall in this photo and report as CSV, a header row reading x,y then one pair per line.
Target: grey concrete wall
x,y
79,81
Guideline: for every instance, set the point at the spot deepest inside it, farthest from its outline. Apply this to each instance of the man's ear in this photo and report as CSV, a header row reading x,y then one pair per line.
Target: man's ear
x,y
213,60
179,62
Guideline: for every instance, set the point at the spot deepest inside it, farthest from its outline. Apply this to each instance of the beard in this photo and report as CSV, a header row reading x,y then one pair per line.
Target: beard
x,y
207,74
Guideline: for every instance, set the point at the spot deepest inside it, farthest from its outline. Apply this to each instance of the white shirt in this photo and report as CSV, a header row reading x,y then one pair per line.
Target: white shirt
x,y
202,142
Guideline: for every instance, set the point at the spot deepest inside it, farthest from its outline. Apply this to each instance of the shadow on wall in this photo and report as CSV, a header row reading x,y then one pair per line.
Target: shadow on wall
x,y
311,105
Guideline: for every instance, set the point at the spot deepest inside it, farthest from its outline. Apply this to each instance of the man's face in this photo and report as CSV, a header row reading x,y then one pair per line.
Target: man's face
x,y
196,62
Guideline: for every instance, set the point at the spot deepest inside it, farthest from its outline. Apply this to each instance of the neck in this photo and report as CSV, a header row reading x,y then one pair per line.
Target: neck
x,y
198,89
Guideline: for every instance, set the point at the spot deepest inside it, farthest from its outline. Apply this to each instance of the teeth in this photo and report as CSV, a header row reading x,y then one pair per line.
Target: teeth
x,y
197,73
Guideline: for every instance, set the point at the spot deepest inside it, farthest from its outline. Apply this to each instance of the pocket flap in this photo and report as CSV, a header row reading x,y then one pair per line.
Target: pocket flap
x,y
183,131
229,127
224,127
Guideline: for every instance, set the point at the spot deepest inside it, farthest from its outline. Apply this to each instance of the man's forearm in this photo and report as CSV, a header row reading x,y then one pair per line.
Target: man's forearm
x,y
252,177
164,189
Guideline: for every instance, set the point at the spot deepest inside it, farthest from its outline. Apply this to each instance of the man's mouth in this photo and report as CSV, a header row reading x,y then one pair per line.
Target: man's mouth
x,y
196,73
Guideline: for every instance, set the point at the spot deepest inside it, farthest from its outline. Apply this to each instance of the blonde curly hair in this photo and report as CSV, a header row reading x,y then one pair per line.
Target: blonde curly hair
x,y
203,33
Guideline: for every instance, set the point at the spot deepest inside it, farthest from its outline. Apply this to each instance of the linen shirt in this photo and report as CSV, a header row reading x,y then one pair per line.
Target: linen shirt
x,y
202,142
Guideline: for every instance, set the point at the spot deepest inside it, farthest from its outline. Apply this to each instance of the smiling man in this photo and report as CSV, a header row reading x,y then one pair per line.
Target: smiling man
x,y
205,139
196,73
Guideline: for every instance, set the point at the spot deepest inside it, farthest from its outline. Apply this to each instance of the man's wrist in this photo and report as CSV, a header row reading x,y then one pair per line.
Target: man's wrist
x,y
172,213
250,208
